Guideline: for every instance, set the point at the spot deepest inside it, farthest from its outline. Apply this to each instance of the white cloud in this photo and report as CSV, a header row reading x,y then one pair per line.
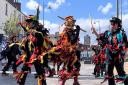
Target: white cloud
x,y
56,4
33,4
86,25
104,25
124,6
83,23
100,8
124,23
105,9
52,26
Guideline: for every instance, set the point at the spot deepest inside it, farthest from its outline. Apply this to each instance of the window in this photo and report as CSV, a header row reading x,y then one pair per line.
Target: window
x,y
19,18
6,11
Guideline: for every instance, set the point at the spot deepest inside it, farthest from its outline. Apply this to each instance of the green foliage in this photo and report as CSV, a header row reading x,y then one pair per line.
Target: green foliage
x,y
11,27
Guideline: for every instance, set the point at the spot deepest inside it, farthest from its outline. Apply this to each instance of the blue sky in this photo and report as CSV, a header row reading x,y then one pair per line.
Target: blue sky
x,y
77,8
100,10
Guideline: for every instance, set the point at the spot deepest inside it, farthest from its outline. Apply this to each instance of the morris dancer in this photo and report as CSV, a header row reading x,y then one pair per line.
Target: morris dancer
x,y
116,45
39,39
68,43
11,51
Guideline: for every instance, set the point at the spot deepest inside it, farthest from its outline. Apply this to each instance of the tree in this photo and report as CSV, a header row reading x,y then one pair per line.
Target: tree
x,y
11,27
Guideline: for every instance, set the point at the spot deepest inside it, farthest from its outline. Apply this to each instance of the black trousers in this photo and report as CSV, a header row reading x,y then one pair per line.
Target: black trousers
x,y
97,70
115,61
40,71
10,61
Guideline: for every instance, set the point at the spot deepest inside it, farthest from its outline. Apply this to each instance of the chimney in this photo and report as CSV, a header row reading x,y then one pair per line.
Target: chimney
x,y
15,3
11,1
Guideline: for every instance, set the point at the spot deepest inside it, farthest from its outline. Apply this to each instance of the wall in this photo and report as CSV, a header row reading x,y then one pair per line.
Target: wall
x,y
6,10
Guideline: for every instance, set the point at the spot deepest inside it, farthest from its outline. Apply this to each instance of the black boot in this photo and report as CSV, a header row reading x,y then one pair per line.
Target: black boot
x,y
21,81
111,81
76,82
44,82
4,73
126,81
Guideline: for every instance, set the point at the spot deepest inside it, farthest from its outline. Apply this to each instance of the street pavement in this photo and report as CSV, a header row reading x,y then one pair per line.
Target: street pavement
x,y
85,78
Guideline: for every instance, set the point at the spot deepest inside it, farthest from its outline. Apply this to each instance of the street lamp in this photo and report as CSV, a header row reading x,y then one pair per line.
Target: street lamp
x,y
43,12
121,9
117,8
49,7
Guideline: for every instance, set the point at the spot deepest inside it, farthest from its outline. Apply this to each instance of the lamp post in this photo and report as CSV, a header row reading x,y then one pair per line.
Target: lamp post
x,y
117,8
121,9
43,12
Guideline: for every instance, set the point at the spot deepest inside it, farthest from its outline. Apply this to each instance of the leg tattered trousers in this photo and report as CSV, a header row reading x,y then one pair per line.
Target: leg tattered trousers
x,y
40,73
119,69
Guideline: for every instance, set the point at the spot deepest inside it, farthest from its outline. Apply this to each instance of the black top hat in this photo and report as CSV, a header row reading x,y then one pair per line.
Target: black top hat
x,y
115,20
30,18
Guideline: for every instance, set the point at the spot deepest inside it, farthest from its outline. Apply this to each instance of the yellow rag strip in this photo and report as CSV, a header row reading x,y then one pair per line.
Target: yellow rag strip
x,y
30,45
27,28
45,44
22,75
40,78
41,57
39,82
11,44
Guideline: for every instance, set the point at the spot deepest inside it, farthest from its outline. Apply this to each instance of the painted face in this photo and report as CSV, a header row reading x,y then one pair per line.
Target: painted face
x,y
69,22
114,26
14,39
